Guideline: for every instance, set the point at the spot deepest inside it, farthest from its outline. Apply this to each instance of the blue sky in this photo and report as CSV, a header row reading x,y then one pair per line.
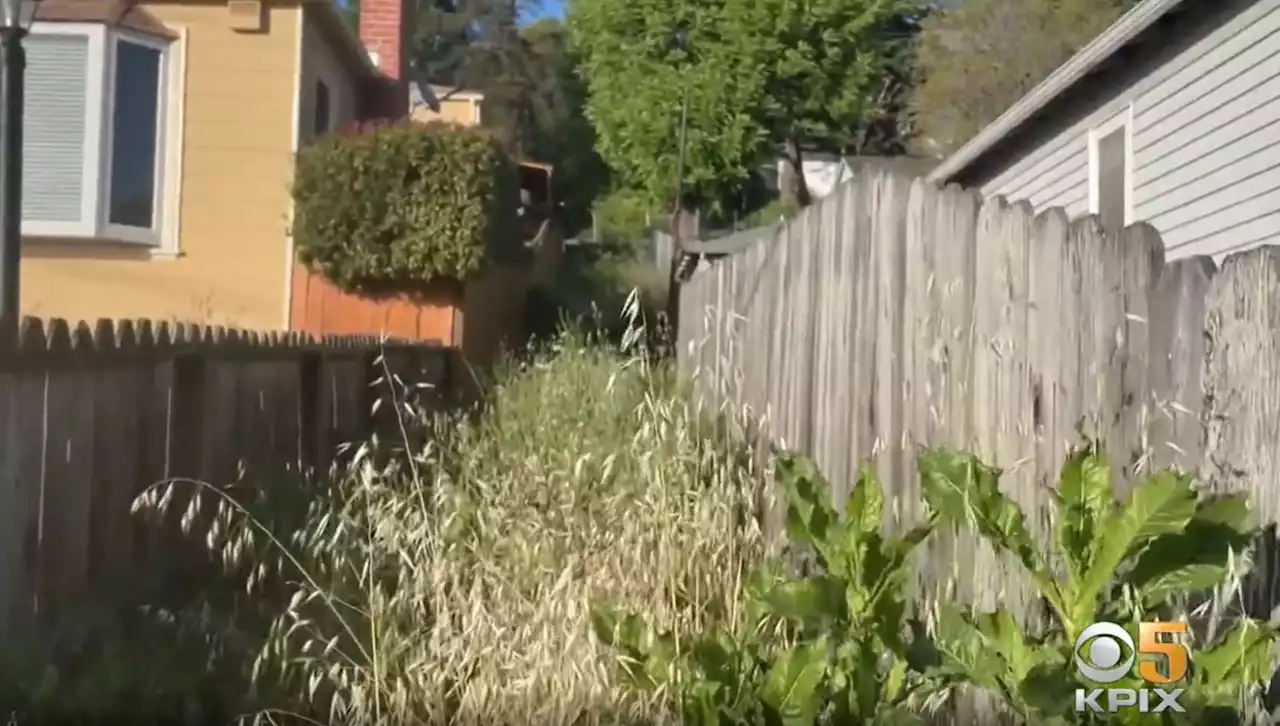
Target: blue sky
x,y
538,9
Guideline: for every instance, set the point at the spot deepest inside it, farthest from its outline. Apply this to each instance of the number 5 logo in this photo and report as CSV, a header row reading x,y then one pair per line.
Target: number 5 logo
x,y
1176,654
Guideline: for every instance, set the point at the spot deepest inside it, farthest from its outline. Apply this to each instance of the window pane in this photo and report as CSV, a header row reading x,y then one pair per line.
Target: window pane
x,y
53,141
321,124
1111,188
135,135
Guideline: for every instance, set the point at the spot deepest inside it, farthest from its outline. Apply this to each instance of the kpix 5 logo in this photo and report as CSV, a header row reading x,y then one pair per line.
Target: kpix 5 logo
x,y
1100,654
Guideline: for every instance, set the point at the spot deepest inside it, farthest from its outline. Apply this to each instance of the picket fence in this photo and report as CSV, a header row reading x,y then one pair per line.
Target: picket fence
x,y
91,416
894,315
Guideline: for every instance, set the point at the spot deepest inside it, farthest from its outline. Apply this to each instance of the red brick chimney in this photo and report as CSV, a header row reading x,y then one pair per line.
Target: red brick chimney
x,y
385,30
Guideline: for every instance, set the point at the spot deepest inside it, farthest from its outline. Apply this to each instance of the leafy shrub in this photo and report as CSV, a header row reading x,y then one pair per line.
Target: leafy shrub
x,y
389,207
1120,562
847,653
624,216
833,647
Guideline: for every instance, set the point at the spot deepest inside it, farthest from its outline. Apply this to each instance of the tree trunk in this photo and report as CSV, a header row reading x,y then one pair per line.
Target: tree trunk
x,y
792,186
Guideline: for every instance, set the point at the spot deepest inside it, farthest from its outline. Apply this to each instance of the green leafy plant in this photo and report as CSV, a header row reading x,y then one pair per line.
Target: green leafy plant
x,y
1112,561
391,207
834,646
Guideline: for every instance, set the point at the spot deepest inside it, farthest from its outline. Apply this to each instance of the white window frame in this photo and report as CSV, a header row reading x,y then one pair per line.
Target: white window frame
x,y
328,75
151,236
1121,120
93,104
95,210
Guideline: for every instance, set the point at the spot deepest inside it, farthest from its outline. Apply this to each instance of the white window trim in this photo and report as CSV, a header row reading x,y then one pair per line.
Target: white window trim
x,y
163,237
175,132
330,76
124,233
1122,119
93,104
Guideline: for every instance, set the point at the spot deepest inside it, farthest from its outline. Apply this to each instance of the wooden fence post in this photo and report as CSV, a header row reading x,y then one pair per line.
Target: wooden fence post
x,y
312,427
186,416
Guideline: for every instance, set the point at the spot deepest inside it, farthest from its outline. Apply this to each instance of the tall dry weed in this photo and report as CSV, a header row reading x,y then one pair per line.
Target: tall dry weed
x,y
451,584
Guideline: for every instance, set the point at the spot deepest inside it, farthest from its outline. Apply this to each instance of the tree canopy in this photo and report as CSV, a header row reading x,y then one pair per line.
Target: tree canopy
x,y
978,59
758,74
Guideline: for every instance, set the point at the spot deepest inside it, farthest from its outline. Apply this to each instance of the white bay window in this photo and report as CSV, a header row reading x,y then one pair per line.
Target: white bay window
x,y
95,130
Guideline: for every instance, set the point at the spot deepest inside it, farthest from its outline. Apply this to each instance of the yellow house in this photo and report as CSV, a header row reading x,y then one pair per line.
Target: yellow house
x,y
160,142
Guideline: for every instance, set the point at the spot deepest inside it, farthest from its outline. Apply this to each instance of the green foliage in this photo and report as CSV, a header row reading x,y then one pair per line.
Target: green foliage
x,y
641,59
772,212
834,645
391,207
831,68
976,60
1120,562
625,216
838,647
756,73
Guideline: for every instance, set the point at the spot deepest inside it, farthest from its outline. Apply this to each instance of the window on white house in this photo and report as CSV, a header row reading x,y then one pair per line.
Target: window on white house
x,y
323,111
94,141
1110,174
135,135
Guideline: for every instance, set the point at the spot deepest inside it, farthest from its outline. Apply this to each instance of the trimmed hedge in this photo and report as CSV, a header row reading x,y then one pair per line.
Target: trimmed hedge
x,y
388,207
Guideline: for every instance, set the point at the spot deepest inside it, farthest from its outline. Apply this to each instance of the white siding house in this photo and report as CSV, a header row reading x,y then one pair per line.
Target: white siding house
x,y
1172,117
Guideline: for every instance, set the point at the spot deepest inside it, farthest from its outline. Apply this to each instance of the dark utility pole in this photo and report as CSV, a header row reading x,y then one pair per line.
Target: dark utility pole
x,y
13,64
677,225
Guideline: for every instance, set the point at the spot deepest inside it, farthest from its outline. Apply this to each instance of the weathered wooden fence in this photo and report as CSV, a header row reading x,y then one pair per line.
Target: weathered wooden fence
x,y
90,417
895,314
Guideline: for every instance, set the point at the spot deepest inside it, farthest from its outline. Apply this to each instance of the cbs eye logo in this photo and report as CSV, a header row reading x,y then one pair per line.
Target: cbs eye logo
x,y
1100,653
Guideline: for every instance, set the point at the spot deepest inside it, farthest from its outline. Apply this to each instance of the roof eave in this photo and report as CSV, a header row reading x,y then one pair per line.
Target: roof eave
x,y
354,49
1124,30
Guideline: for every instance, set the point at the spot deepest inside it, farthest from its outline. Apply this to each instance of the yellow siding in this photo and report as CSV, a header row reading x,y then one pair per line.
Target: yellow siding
x,y
237,159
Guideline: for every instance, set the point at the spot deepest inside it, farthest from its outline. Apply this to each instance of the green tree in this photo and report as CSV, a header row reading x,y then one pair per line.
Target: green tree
x,y
835,72
759,74
561,134
642,60
978,59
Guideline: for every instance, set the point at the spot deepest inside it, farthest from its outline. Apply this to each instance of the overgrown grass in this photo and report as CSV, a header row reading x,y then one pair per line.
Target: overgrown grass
x,y
452,584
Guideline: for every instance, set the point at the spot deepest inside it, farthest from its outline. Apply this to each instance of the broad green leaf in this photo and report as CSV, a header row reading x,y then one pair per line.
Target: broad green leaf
x,y
1242,658
810,516
792,687
865,509
1229,510
961,490
863,664
647,657
1002,632
1163,504
963,652
1049,687
900,548
703,704
1086,496
814,602
921,653
715,656
895,681
1186,562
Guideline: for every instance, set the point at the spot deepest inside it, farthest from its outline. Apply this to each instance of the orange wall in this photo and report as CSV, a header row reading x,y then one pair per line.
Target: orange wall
x,y
236,162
